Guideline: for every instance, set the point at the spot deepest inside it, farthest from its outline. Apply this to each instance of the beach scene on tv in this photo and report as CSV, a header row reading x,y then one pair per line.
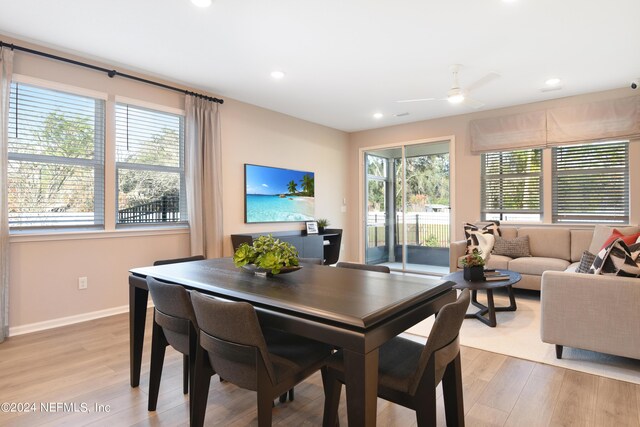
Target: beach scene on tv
x,y
278,195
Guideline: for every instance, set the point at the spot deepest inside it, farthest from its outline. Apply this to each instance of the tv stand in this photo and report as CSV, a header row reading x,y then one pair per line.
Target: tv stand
x,y
325,246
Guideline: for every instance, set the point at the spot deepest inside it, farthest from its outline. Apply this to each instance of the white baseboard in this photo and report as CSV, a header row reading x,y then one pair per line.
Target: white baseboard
x,y
69,320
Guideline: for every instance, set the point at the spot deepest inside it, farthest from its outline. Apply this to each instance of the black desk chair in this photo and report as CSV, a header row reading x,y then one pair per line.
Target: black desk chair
x,y
409,372
173,322
233,345
378,268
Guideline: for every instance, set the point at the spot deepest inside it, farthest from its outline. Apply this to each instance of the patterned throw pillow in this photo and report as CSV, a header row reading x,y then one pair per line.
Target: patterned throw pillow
x,y
616,260
585,262
513,248
489,227
483,242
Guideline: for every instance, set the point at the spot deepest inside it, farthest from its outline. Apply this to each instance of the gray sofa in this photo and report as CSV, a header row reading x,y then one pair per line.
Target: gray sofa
x,y
592,312
552,249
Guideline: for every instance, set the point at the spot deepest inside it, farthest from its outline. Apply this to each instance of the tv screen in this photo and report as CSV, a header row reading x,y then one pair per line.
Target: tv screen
x,y
278,195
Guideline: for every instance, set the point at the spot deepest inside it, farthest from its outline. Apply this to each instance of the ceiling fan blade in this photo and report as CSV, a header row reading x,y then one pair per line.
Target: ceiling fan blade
x,y
416,100
483,81
470,102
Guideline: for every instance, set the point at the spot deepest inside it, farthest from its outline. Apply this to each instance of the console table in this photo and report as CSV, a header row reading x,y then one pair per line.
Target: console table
x,y
325,246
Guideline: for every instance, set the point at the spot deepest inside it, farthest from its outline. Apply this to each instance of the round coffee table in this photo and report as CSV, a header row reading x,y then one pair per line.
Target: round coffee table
x,y
488,286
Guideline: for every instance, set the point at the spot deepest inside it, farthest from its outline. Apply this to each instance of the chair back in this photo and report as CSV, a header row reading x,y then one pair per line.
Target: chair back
x,y
353,265
443,343
173,312
314,261
230,333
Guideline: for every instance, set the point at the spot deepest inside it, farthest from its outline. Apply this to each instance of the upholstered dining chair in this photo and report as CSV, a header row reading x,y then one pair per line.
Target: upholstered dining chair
x,y
353,265
314,261
173,322
409,372
232,344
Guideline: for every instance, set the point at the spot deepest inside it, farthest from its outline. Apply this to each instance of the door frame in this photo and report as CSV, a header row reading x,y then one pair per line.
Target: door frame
x,y
362,225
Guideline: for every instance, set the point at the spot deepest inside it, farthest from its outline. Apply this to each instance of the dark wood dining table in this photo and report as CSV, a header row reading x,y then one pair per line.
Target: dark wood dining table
x,y
355,310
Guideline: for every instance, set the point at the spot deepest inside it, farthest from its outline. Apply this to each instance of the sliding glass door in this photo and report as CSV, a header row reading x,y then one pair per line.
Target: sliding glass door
x,y
407,207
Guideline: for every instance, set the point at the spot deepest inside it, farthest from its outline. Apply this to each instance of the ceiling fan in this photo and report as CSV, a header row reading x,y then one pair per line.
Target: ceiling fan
x,y
458,95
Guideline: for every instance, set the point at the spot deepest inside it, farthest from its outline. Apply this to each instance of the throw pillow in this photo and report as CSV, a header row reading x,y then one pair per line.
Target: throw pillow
x,y
513,248
481,241
586,261
629,239
616,260
602,232
490,227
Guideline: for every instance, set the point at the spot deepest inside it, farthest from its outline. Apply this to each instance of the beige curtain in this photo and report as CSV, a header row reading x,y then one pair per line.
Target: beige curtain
x,y
203,170
517,131
6,68
594,121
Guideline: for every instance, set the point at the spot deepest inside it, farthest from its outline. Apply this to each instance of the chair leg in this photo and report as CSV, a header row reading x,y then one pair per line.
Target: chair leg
x,y
291,395
332,390
452,393
283,398
265,405
559,351
158,347
200,388
185,374
426,410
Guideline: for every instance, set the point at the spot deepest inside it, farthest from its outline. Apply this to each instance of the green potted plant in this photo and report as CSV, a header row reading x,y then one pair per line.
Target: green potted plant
x,y
322,223
473,264
267,255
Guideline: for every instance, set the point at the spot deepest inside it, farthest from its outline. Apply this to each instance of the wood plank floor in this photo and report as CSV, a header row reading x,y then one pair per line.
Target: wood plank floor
x,y
88,364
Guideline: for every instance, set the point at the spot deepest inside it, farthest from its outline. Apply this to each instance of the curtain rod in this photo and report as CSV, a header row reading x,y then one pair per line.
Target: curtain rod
x,y
110,73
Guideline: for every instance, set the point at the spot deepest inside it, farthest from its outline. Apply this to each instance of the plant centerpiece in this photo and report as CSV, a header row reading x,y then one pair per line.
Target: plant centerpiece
x,y
267,255
473,264
322,223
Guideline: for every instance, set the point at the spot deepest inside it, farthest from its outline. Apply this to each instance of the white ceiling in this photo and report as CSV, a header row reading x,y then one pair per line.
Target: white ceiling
x,y
347,59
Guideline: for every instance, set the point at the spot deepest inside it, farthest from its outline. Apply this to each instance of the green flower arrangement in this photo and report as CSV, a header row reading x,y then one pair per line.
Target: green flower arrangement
x,y
474,259
267,253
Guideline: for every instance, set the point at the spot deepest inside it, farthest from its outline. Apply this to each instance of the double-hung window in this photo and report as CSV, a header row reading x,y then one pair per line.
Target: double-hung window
x,y
149,166
591,183
56,158
511,185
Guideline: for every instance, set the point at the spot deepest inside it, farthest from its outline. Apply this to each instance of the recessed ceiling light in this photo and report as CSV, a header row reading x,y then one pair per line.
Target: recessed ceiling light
x,y
277,74
201,3
554,81
378,115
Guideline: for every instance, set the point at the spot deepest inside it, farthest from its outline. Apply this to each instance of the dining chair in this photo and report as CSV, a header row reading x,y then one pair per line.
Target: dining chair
x,y
314,261
174,324
233,345
409,372
353,265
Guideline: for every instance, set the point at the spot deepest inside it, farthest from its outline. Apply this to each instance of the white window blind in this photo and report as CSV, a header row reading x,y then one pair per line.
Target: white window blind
x,y
511,185
56,158
149,166
591,183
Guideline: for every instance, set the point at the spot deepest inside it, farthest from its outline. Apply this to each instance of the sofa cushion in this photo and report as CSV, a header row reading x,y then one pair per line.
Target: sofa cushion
x,y
550,242
508,232
573,267
513,248
585,262
500,262
580,242
602,232
616,259
537,265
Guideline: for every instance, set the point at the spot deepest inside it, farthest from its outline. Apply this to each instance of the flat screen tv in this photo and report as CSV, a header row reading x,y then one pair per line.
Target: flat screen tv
x,y
278,195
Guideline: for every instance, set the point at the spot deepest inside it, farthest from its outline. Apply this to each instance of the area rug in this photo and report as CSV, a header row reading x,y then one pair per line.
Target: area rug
x,y
518,334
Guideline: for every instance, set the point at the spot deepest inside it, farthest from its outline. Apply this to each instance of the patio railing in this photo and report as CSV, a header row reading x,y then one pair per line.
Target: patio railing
x,y
166,209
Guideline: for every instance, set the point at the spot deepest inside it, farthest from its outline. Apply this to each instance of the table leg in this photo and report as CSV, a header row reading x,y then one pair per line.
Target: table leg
x,y
492,309
361,380
512,301
137,318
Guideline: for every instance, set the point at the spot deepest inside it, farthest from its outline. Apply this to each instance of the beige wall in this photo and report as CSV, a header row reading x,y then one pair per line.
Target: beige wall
x,y
466,202
44,271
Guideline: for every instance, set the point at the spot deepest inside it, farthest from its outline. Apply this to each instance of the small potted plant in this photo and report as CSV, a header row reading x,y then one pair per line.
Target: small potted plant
x,y
473,264
322,223
267,256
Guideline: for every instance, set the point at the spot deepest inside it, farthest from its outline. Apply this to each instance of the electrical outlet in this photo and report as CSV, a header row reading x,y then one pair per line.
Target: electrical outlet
x,y
82,283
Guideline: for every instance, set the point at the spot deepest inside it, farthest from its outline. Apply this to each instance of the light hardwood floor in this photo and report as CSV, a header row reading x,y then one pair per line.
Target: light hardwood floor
x,y
88,363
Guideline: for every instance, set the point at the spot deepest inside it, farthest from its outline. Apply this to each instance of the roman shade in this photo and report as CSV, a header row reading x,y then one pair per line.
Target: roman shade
x,y
517,131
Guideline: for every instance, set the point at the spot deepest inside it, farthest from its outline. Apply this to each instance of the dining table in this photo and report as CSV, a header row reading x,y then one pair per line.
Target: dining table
x,y
355,310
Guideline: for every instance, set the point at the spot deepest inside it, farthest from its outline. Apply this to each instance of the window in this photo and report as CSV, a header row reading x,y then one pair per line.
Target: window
x,y
149,166
56,158
591,183
511,185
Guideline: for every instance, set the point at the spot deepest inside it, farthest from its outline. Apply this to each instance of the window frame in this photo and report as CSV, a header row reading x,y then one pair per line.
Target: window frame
x,y
98,163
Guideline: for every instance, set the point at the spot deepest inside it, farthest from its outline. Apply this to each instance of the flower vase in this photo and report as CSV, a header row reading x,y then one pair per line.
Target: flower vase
x,y
474,274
